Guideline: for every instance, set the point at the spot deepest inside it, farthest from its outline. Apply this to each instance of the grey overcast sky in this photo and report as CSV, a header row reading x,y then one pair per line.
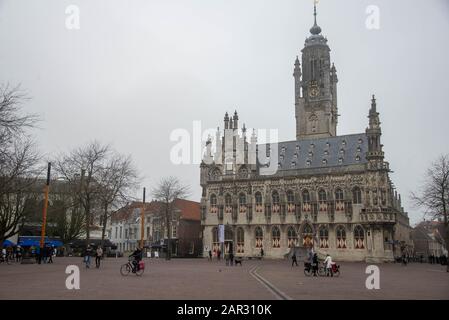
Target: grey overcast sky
x,y
136,70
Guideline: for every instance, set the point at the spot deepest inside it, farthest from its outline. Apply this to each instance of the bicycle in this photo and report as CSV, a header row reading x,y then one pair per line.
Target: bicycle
x,y
128,267
308,270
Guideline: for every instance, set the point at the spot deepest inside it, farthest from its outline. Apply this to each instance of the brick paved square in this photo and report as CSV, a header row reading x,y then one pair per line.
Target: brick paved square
x,y
202,279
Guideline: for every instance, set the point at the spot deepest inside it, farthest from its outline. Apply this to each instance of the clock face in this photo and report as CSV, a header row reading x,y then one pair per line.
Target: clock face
x,y
313,91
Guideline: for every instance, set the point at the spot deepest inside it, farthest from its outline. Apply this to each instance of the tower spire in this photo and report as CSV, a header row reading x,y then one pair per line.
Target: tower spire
x,y
315,30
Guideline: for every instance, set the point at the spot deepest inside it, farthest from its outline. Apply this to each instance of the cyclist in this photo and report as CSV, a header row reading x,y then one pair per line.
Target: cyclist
x,y
137,255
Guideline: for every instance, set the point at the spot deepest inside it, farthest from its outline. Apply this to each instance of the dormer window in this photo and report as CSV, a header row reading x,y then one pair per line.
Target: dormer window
x,y
310,154
360,140
293,164
357,158
359,149
326,152
340,160
324,161
308,163
297,148
295,156
343,143
342,151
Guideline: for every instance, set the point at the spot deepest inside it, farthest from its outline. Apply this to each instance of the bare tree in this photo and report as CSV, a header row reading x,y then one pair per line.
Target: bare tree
x,y
84,166
12,122
166,192
434,194
19,160
117,180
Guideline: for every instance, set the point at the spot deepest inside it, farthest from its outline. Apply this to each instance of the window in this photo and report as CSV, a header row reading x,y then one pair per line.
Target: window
x,y
126,233
148,232
292,237
116,231
341,238
259,237
356,195
359,238
324,237
339,195
307,229
213,200
290,197
192,247
215,243
240,240
322,195
174,231
276,237
242,199
120,232
305,196
275,197
228,200
258,197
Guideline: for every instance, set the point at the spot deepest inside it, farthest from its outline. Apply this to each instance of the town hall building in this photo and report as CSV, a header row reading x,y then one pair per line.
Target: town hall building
x,y
328,192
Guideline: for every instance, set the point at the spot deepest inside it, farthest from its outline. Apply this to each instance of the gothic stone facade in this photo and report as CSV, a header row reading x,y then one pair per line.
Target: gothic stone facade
x,y
329,192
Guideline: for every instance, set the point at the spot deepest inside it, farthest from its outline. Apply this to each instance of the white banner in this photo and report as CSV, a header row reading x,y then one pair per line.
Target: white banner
x,y
221,232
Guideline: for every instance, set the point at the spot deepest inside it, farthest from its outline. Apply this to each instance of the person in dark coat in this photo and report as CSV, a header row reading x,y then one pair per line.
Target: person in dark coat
x,y
294,260
315,264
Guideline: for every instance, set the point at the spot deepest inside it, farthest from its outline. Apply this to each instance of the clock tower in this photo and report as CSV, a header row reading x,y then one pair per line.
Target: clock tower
x,y
315,88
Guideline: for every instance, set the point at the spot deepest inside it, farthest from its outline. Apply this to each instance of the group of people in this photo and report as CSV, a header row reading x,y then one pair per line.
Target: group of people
x,y
89,252
312,259
12,253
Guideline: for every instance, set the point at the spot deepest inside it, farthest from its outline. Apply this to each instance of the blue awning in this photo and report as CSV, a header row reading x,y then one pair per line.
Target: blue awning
x,y
35,241
8,243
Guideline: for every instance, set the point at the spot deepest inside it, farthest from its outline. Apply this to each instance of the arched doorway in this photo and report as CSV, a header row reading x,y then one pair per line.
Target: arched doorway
x,y
229,240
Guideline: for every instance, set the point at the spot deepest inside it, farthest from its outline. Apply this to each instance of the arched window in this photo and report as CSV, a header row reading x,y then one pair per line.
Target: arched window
x,y
356,195
213,200
341,238
339,195
228,200
276,237
215,243
290,201
306,196
359,237
213,204
292,237
258,197
240,240
242,199
259,206
275,197
259,237
322,195
324,237
290,197
242,203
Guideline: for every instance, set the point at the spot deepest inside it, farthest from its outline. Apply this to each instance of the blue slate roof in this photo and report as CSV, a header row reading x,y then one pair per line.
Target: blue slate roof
x,y
322,152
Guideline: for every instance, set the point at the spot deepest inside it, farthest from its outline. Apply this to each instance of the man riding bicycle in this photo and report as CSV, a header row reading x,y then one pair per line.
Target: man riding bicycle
x,y
137,255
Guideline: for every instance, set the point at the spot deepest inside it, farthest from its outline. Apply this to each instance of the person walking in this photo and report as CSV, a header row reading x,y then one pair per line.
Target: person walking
x,y
294,260
328,264
231,258
315,264
210,255
98,256
50,254
18,254
261,253
218,254
87,254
